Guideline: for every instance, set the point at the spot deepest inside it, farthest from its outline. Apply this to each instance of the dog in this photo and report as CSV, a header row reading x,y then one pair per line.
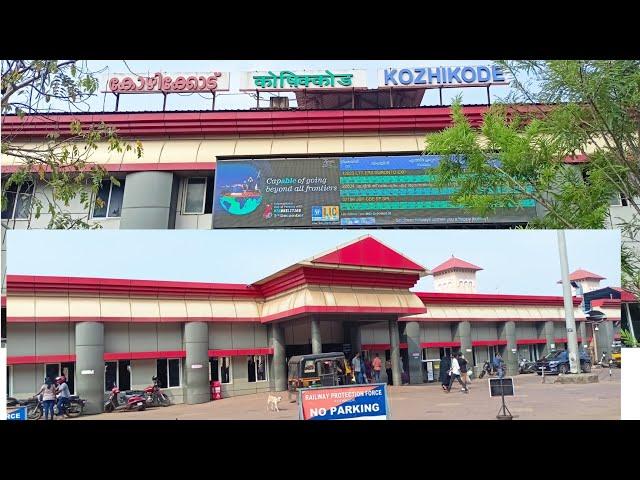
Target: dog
x,y
272,403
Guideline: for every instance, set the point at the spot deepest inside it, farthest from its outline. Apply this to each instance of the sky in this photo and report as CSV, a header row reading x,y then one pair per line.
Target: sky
x,y
237,100
514,261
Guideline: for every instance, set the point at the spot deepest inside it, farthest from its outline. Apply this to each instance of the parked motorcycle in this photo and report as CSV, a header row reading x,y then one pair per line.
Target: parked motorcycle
x,y
35,407
487,369
133,402
153,395
526,366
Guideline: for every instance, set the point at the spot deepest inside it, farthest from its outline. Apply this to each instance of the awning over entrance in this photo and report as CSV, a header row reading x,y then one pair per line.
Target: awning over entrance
x,y
314,299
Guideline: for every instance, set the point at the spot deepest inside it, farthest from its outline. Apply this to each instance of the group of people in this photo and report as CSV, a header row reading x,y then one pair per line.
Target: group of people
x,y
455,367
367,371
50,391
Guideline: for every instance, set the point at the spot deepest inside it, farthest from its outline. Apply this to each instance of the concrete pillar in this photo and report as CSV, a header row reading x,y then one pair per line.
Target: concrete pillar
x,y
549,335
90,365
279,358
356,339
196,369
316,340
582,333
149,201
511,358
415,353
464,331
605,338
394,337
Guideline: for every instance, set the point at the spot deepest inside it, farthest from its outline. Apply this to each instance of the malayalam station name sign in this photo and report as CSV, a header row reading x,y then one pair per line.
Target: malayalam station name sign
x,y
346,402
170,83
434,77
286,80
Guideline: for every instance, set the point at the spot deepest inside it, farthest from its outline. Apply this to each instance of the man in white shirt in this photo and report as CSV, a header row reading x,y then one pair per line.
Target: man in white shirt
x,y
356,363
455,374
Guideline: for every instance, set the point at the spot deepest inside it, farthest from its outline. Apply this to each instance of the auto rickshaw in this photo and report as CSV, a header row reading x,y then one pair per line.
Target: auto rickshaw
x,y
616,354
316,370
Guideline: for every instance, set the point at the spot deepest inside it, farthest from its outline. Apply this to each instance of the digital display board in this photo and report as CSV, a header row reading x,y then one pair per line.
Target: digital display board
x,y
343,192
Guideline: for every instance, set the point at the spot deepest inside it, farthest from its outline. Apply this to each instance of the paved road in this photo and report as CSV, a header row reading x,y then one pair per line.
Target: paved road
x,y
533,401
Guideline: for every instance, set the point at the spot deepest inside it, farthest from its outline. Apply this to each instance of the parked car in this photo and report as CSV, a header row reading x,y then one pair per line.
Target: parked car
x,y
558,362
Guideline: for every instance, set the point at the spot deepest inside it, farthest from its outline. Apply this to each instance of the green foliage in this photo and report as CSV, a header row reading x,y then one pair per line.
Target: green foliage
x,y
61,165
629,340
556,109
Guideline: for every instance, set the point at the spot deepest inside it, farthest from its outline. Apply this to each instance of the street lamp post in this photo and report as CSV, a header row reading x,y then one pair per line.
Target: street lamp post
x,y
572,335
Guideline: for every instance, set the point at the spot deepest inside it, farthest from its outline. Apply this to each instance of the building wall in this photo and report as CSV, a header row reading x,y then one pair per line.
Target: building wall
x,y
455,281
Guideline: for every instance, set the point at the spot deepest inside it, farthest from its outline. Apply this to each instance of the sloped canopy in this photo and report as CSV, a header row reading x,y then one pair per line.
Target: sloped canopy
x,y
581,274
367,252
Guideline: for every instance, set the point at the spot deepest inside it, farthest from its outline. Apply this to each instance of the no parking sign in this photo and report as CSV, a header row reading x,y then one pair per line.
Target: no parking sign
x,y
18,414
344,402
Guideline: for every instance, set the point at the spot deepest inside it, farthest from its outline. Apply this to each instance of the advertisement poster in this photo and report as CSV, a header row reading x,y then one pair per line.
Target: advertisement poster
x,y
347,402
341,191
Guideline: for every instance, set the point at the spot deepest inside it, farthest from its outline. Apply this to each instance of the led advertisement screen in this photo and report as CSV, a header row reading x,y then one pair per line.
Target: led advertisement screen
x,y
341,192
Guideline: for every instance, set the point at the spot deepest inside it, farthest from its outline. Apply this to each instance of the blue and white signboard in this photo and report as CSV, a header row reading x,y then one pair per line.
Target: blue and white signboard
x,y
17,414
345,402
442,77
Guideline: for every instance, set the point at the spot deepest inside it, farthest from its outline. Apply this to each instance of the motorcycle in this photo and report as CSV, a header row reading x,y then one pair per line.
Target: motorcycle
x,y
526,366
35,407
133,402
487,369
153,395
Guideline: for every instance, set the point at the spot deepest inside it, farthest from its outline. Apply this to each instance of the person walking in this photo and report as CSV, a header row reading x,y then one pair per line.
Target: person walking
x,y
356,363
48,392
445,366
464,370
455,374
63,395
387,367
377,367
498,362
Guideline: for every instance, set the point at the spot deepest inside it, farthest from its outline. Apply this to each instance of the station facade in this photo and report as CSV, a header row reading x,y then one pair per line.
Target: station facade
x,y
357,297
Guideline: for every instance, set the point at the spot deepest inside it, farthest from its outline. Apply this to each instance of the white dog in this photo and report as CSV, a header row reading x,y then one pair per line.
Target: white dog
x,y
272,403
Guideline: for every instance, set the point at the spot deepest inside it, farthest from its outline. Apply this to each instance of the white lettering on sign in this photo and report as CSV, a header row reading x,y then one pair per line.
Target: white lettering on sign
x,y
196,366
86,372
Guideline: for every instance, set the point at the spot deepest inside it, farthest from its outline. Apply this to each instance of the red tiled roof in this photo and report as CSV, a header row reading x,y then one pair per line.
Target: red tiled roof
x,y
626,295
583,275
454,262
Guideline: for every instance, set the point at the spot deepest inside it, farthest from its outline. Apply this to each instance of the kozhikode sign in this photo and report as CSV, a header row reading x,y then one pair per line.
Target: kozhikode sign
x,y
437,77
169,83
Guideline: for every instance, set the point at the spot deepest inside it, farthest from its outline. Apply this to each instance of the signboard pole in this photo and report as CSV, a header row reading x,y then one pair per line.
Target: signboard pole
x,y
504,413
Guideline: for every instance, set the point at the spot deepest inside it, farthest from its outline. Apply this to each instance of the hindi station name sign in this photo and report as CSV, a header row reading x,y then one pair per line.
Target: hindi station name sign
x,y
169,83
286,80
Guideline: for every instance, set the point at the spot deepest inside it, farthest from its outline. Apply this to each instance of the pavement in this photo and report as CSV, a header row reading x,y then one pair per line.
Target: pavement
x,y
533,401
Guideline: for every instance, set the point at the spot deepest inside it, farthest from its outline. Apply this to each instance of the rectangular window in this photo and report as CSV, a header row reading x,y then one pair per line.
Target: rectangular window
x,y
117,374
220,369
52,370
168,372
194,196
619,199
18,201
257,368
111,196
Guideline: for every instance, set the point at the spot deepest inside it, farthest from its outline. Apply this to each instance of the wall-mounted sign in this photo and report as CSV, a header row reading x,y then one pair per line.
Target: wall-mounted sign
x,y
312,80
436,77
18,414
364,402
87,372
169,83
196,366
341,191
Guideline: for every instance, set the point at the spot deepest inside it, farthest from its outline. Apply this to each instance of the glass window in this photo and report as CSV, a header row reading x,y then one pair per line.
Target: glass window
x,y
208,201
111,196
52,370
257,368
117,374
195,191
220,369
168,372
18,201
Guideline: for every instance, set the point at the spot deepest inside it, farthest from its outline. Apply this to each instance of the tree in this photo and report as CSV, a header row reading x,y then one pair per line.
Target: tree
x,y
61,163
588,111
